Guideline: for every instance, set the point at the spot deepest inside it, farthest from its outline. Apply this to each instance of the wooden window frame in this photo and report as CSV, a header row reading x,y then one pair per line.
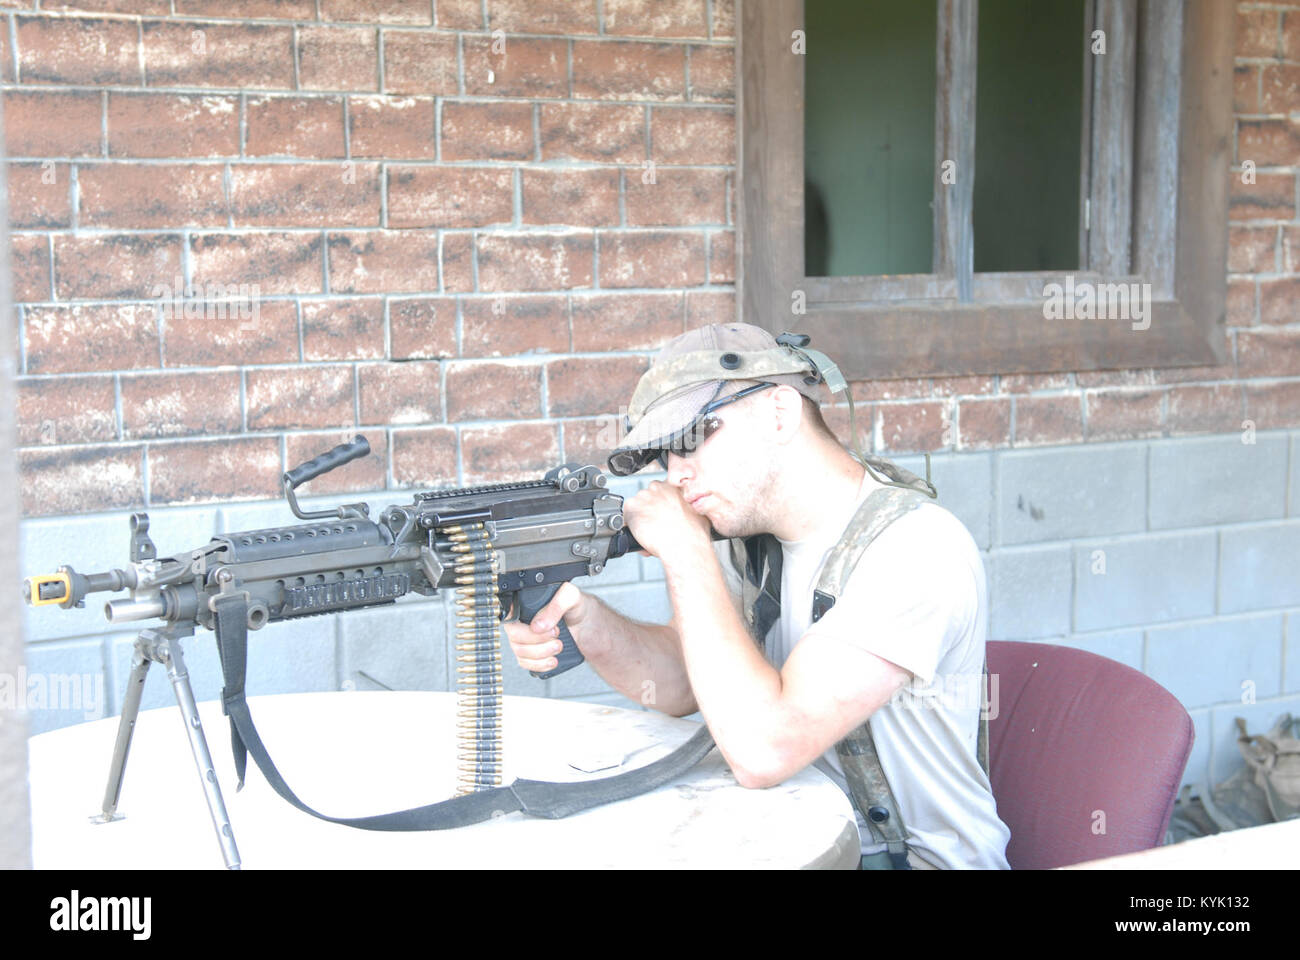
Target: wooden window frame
x,y
1157,182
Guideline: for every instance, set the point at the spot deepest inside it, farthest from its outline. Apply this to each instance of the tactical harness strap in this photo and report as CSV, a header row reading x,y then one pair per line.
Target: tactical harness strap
x,y
537,798
760,559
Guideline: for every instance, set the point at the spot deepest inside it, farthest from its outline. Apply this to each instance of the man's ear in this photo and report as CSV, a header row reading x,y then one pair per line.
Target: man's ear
x,y
787,403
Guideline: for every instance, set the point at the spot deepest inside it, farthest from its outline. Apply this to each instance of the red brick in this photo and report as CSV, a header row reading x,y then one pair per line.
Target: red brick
x,y
299,397
199,53
1273,405
203,471
1269,143
459,14
1278,300
457,262
587,386
591,441
80,480
78,50
903,388
179,404
657,18
509,452
1031,382
151,195
1048,420
984,423
1290,249
270,337
915,426
400,392
420,328
837,418
962,386
449,196
1124,414
1245,89
1212,409
510,326
1257,33
378,11
722,257
342,329
338,58
712,74
1268,353
493,391
29,261
704,307
1241,303
516,67
550,261
6,58
675,198
195,126
543,16
1270,197
615,322
1252,249
277,263
1279,88
305,195
1290,34
724,19
387,261
692,135
48,123
420,63
592,132
91,338
115,266
53,410
651,259
242,9
424,458
294,127
1115,378
154,7
622,70
487,131
392,127
368,473
579,198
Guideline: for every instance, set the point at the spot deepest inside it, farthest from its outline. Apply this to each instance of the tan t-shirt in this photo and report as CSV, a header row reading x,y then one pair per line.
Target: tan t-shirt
x,y
918,598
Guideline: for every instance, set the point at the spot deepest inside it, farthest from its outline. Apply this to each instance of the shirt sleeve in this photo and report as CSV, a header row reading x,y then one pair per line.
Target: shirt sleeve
x,y
910,596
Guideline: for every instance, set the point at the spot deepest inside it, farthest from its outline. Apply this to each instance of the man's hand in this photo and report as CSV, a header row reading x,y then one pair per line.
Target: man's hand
x,y
537,644
660,517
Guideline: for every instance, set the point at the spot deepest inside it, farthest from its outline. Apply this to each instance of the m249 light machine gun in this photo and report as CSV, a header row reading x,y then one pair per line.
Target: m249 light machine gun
x,y
504,549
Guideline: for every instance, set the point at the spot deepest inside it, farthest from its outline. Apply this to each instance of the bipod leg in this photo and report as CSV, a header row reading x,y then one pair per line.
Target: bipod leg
x,y
140,660
180,679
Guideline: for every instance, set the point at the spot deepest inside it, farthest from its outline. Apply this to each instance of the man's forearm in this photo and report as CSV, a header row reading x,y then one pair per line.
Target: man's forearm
x,y
642,661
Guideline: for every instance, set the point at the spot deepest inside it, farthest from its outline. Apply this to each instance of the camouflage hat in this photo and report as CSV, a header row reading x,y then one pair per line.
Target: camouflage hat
x,y
700,368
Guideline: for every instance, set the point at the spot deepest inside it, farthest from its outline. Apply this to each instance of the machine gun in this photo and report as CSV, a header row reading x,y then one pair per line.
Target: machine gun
x,y
504,549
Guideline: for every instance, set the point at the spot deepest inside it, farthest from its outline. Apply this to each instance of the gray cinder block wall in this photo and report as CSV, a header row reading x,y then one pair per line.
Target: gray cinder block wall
x,y
1177,557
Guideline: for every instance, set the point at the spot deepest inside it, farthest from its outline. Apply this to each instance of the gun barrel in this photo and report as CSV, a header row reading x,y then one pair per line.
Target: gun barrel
x,y
123,611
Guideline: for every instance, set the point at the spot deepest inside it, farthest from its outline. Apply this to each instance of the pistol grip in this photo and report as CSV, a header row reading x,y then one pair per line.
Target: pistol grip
x,y
531,600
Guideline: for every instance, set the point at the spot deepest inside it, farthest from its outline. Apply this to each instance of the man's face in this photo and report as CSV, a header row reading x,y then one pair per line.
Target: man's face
x,y
728,476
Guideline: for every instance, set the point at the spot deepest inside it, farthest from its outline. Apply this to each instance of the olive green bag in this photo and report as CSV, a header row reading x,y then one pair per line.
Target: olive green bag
x,y
1266,789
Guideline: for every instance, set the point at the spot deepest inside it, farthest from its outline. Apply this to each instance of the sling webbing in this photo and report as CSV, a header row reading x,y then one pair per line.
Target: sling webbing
x,y
537,798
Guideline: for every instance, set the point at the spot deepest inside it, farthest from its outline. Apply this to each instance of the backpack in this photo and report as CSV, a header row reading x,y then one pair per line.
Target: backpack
x,y
759,559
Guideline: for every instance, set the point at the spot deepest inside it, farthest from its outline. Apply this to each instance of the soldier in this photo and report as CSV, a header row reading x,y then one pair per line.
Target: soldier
x,y
854,598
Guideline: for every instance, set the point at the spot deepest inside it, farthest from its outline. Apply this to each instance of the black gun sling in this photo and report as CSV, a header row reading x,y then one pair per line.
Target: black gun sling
x,y
537,798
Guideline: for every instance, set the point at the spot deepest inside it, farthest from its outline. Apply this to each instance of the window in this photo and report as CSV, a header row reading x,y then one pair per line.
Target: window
x,y
980,186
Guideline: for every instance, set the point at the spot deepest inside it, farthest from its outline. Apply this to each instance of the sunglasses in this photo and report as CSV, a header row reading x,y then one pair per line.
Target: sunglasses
x,y
686,441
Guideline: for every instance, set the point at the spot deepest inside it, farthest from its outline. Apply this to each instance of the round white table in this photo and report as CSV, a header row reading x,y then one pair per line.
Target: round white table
x,y
362,753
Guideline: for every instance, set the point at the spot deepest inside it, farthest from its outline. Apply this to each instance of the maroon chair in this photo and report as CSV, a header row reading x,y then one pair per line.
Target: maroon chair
x,y
1086,755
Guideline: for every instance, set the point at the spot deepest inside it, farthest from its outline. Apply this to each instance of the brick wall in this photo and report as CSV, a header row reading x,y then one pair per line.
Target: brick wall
x,y
472,268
